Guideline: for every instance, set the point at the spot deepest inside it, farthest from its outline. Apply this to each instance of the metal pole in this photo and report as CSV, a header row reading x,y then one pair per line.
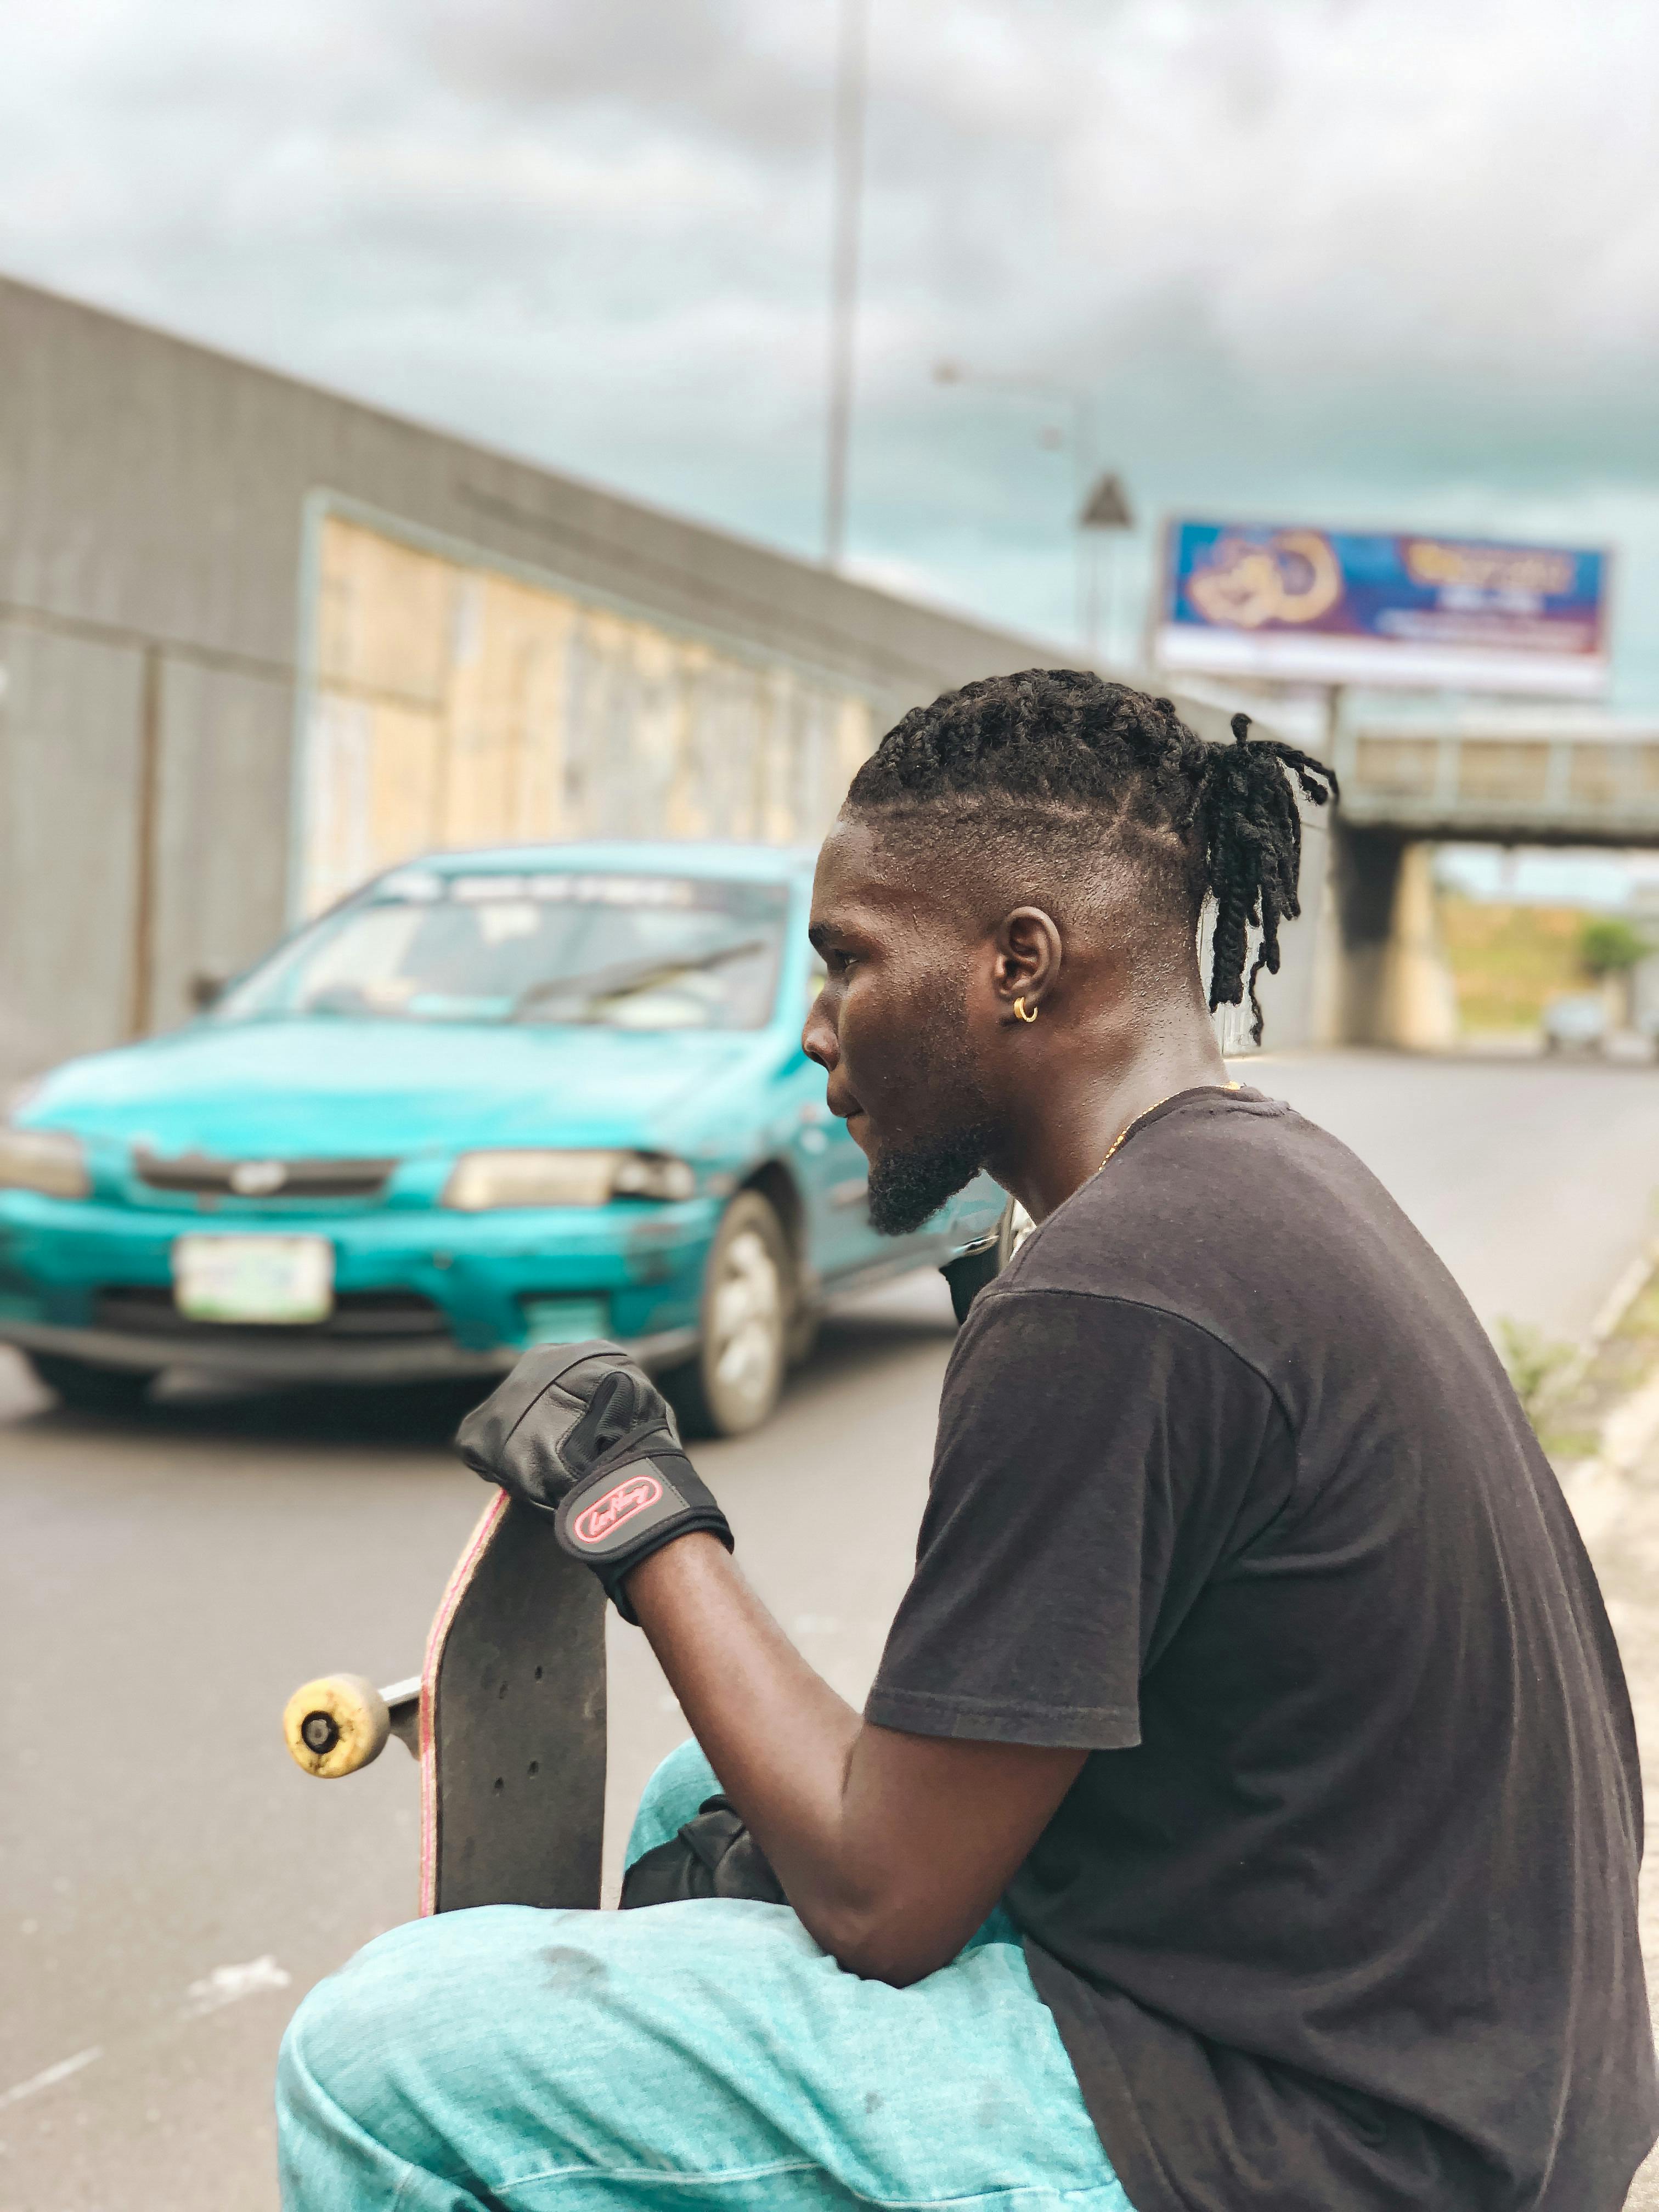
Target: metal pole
x,y
141,986
851,86
1087,594
1098,630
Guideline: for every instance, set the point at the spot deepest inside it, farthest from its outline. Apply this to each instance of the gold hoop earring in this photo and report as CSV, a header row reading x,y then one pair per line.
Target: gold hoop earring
x,y
1020,1014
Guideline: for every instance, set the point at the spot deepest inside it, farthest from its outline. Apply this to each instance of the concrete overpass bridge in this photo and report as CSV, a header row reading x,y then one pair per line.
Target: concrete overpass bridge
x,y
1405,789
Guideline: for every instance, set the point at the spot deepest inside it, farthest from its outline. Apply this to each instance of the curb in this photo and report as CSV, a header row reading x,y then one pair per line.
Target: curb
x,y
1597,1489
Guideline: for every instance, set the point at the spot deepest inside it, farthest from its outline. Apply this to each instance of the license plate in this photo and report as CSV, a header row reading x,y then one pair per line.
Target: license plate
x,y
285,1279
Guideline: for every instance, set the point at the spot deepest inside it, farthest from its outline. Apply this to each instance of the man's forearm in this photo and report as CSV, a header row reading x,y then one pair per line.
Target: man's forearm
x,y
775,1733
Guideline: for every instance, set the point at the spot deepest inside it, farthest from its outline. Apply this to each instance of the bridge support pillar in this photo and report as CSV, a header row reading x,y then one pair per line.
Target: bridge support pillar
x,y
1394,986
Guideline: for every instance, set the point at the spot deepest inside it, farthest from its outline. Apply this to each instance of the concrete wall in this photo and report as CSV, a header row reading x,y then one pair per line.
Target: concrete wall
x,y
454,703
154,631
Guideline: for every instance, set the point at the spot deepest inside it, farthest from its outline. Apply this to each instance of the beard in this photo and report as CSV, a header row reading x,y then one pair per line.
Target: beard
x,y
909,1183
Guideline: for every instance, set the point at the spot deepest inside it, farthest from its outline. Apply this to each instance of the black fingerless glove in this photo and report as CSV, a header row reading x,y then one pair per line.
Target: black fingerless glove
x,y
580,1431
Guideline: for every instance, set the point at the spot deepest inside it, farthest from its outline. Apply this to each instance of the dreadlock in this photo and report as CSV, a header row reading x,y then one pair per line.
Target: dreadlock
x,y
1066,748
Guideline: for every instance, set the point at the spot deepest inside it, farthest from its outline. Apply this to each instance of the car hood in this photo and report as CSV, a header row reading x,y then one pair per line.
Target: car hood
x,y
385,1089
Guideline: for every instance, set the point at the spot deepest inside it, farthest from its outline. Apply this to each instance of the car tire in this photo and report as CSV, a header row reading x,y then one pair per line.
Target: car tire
x,y
92,1389
748,1301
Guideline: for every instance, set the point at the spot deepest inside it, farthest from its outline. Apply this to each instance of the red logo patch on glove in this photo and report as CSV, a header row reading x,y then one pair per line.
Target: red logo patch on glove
x,y
607,1513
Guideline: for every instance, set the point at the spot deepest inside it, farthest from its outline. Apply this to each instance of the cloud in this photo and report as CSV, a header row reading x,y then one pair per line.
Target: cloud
x,y
1363,260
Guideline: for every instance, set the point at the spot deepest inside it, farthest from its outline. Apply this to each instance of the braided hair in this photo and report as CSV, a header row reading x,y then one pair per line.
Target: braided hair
x,y
1075,754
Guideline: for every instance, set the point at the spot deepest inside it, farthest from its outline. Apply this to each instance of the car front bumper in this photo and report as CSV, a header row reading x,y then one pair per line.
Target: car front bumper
x,y
421,1291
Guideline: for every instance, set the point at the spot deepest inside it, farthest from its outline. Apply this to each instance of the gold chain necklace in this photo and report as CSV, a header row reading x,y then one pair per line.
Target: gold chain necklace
x,y
1136,1120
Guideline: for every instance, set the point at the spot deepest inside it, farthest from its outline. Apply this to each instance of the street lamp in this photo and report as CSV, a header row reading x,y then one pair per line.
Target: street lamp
x,y
852,88
1104,504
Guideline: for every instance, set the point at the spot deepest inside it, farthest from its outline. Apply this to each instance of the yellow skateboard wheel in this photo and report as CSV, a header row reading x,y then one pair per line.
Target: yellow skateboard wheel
x,y
335,1725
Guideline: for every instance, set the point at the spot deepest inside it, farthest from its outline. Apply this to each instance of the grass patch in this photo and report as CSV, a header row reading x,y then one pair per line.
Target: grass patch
x,y
1507,959
1567,1399
1541,1369
1535,1364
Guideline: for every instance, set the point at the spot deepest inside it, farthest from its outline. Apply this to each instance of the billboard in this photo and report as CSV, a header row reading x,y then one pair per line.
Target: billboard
x,y
1339,606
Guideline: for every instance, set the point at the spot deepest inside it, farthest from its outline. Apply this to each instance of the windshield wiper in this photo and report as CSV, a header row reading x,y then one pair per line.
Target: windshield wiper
x,y
630,975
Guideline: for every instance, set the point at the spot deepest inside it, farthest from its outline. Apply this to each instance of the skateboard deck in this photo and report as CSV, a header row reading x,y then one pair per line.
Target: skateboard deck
x,y
507,1721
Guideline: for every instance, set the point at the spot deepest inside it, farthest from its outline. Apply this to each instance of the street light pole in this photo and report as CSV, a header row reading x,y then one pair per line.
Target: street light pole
x,y
852,78
1106,510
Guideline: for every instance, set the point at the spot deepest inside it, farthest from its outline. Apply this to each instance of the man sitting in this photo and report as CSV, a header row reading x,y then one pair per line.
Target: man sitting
x,y
1246,1814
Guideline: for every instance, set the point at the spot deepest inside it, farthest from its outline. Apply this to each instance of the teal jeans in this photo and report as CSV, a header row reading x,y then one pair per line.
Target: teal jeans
x,y
706,2054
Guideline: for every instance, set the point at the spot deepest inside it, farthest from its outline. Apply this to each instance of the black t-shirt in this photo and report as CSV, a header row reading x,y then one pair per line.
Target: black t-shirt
x,y
1232,1491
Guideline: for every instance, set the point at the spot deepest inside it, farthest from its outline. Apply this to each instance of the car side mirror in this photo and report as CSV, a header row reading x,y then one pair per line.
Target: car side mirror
x,y
983,1260
207,987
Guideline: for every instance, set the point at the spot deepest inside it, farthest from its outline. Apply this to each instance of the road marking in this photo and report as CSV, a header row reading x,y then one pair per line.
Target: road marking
x,y
224,1985
230,1985
49,2076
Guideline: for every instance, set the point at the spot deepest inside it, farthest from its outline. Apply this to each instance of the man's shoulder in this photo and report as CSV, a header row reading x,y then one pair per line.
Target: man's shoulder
x,y
1237,1217
1240,1220
1214,1186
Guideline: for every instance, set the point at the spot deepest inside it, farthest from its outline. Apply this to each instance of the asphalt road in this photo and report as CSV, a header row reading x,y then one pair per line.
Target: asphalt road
x,y
170,1883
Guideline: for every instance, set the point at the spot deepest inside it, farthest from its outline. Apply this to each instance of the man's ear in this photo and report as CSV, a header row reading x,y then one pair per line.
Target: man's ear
x,y
1028,954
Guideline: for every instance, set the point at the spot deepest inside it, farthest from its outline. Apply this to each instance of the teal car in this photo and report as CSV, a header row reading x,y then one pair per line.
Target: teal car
x,y
491,1100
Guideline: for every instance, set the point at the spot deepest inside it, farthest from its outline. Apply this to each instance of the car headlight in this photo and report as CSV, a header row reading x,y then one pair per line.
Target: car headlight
x,y
49,1160
482,1181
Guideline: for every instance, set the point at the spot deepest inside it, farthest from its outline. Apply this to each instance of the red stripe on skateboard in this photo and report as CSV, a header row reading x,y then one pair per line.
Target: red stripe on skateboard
x,y
454,1590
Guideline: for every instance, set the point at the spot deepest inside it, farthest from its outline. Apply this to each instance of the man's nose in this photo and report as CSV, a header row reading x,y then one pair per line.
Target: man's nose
x,y
818,1039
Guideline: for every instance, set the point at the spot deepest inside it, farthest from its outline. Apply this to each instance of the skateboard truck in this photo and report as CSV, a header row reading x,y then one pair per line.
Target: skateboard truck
x,y
505,1719
340,1721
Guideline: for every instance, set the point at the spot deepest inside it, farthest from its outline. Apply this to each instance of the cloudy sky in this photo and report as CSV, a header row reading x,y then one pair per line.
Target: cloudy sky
x,y
1389,262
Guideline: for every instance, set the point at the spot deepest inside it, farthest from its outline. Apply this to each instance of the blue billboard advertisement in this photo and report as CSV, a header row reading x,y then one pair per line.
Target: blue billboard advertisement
x,y
1337,606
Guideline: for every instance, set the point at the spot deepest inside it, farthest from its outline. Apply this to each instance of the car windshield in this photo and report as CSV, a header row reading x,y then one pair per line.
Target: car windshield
x,y
615,951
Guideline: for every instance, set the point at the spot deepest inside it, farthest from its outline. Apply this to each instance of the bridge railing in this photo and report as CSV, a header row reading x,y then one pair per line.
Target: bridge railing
x,y
1552,786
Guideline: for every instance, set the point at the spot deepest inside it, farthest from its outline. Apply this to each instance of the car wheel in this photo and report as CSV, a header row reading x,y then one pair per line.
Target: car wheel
x,y
92,1389
748,1300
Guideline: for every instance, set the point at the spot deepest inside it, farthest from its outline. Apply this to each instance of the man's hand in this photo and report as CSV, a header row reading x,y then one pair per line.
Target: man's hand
x,y
580,1431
